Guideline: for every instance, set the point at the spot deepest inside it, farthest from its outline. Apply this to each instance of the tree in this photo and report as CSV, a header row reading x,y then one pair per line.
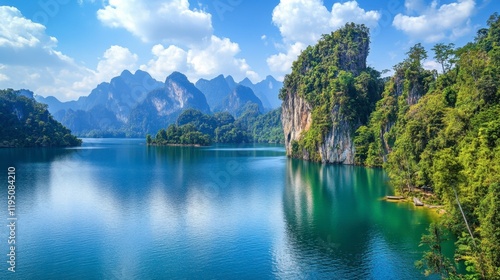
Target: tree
x,y
445,55
416,55
433,261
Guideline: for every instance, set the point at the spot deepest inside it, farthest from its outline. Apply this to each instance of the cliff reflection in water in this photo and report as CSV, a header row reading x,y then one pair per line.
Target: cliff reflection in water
x,y
336,212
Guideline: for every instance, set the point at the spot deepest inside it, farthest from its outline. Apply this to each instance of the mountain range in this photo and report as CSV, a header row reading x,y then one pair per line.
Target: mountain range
x,y
137,104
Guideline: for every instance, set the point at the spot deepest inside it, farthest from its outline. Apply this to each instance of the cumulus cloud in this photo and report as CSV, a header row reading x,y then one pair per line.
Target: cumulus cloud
x,y
414,5
282,62
30,60
155,20
436,22
216,56
432,65
302,22
352,12
23,42
115,59
165,61
192,47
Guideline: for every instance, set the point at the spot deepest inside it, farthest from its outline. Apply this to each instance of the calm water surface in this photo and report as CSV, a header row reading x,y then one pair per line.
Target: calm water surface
x,y
116,209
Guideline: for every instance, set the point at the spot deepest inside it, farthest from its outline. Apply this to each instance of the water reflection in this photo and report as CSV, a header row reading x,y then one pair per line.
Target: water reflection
x,y
332,213
117,209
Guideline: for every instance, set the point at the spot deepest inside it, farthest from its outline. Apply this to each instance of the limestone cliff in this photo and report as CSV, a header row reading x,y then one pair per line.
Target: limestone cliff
x,y
328,95
296,118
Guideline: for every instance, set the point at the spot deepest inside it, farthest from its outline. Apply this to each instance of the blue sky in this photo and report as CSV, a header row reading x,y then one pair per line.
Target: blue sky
x,y
65,48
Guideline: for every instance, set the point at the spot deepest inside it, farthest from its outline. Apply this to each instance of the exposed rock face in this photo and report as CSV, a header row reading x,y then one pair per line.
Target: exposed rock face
x,y
162,106
296,118
336,145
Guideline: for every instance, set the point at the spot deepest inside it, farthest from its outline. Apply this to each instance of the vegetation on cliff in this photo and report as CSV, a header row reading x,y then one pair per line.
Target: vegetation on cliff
x,y
27,123
442,133
333,78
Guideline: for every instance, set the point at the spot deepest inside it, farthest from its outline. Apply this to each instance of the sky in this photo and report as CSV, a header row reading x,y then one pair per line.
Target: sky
x,y
65,48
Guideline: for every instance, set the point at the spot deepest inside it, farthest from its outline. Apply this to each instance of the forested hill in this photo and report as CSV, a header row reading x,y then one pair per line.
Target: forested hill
x,y
195,128
27,123
436,133
441,132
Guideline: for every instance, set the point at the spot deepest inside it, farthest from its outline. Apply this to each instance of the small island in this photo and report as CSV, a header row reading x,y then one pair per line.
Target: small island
x,y
194,128
185,135
28,123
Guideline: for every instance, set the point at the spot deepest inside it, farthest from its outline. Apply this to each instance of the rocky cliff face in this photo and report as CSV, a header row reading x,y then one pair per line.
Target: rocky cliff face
x,y
162,106
310,102
337,146
296,118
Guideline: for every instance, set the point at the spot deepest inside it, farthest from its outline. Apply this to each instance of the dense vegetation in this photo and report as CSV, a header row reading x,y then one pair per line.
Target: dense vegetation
x,y
195,128
27,123
441,133
333,78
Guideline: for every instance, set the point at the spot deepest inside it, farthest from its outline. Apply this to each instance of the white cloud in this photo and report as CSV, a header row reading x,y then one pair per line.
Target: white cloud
x,y
352,12
114,61
18,32
159,21
432,65
165,61
282,62
214,57
192,47
30,60
302,22
23,42
414,5
436,22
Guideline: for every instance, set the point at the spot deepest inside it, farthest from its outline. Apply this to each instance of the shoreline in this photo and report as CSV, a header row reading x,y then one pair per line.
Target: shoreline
x,y
179,145
400,199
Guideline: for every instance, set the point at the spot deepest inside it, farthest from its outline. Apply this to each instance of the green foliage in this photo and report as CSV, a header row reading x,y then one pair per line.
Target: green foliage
x,y
443,132
27,123
268,128
333,78
195,128
445,55
433,261
180,135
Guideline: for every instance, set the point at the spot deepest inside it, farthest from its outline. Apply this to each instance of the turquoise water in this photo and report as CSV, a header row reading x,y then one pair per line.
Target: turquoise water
x,y
117,209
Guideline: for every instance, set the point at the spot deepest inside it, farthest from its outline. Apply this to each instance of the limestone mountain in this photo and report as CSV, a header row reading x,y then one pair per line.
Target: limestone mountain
x,y
215,90
162,106
266,90
237,101
108,106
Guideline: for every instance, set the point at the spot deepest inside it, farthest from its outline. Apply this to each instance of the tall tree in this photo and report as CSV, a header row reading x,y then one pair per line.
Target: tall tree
x,y
445,55
416,55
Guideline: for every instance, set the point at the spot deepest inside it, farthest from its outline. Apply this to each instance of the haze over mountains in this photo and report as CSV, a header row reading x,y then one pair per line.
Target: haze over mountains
x,y
137,104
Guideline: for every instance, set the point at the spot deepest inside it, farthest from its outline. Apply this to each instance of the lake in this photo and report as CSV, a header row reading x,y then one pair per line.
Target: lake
x,y
117,209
